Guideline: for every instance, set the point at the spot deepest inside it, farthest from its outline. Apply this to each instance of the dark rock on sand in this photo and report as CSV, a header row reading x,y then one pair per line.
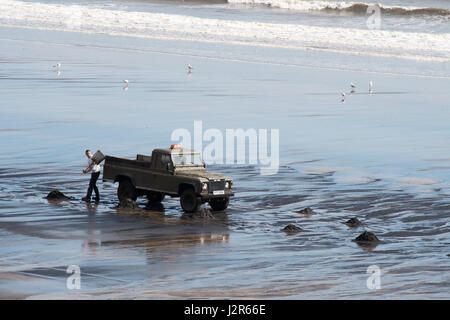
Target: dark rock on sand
x,y
291,228
127,204
367,236
57,195
353,223
307,211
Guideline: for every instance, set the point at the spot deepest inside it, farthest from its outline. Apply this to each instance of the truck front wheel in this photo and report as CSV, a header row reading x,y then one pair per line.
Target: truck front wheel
x,y
219,204
126,190
189,201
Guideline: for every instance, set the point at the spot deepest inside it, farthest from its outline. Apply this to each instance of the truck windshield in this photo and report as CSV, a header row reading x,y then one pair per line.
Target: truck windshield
x,y
186,159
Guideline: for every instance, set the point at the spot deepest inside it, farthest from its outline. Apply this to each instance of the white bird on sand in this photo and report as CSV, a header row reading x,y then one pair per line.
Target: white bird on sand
x,y
370,86
126,84
343,94
58,69
190,67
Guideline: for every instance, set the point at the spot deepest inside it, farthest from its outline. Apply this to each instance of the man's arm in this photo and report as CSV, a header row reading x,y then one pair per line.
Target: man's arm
x,y
89,168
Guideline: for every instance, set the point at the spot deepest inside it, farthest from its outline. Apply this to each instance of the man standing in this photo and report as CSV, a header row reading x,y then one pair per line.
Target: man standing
x,y
95,173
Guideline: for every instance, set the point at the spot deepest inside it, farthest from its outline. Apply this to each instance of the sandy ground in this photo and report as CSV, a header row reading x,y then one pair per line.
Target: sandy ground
x,y
381,157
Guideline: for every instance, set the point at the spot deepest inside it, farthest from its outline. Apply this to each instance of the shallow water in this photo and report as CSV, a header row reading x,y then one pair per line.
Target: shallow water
x,y
381,157
413,44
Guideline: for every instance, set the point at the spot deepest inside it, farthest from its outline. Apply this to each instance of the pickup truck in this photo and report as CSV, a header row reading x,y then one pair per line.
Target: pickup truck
x,y
174,171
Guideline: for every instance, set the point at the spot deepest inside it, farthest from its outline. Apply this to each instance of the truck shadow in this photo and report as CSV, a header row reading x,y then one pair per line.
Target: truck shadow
x,y
155,207
149,209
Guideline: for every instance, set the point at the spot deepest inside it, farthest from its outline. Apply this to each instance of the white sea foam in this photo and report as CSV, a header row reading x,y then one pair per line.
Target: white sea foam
x,y
420,46
304,5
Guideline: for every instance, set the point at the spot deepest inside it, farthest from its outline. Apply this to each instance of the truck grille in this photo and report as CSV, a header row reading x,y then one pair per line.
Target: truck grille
x,y
217,185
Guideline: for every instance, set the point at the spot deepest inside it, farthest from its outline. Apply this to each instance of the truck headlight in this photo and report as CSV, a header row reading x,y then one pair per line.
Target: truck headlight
x,y
204,187
228,185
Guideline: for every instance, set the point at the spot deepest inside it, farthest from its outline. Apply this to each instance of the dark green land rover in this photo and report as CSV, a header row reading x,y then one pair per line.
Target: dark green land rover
x,y
176,172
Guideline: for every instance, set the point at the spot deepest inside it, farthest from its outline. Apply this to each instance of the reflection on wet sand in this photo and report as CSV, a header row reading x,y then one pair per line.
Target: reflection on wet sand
x,y
92,241
91,207
173,242
369,246
175,236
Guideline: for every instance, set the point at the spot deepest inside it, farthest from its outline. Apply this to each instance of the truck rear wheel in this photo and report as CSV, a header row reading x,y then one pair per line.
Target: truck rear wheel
x,y
219,204
155,197
189,201
126,190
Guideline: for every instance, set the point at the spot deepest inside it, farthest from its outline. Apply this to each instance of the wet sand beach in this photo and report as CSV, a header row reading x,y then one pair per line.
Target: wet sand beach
x,y
380,157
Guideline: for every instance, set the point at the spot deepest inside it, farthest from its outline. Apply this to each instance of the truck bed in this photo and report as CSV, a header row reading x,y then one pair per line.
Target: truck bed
x,y
140,172
140,161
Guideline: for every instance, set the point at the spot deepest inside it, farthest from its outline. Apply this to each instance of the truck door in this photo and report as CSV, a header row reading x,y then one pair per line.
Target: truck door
x,y
160,177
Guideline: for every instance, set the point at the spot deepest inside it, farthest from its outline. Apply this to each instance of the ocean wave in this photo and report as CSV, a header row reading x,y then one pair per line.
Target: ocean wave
x,y
354,7
95,20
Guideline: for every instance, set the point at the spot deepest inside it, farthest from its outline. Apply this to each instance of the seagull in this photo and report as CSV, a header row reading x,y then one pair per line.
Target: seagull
x,y
126,84
352,85
343,96
190,68
370,86
58,69
126,81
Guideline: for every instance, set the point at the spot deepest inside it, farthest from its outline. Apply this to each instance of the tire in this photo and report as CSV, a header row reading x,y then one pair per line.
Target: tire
x,y
189,201
219,204
126,190
155,197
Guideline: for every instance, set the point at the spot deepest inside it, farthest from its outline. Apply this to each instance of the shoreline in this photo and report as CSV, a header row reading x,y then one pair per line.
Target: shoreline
x,y
216,30
223,58
262,44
